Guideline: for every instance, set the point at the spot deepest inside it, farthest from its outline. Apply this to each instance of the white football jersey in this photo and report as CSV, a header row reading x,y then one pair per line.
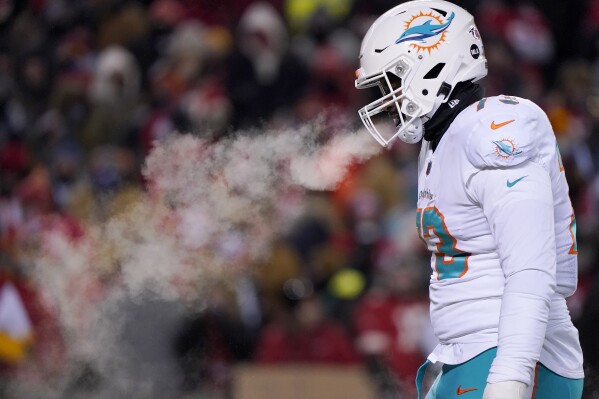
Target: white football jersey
x,y
493,202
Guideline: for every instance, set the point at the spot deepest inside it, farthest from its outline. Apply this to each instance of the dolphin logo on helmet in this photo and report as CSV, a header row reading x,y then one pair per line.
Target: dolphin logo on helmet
x,y
424,31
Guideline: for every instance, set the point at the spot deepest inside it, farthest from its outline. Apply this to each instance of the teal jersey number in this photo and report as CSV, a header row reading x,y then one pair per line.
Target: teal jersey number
x,y
450,262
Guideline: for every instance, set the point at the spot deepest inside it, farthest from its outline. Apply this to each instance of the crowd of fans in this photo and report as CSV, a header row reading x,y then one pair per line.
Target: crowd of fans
x,y
87,87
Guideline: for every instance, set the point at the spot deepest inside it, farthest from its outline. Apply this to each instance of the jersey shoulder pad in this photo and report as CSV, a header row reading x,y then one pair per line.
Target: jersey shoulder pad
x,y
504,131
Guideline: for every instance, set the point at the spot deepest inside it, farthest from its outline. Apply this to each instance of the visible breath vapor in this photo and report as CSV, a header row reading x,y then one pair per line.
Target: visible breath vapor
x,y
211,209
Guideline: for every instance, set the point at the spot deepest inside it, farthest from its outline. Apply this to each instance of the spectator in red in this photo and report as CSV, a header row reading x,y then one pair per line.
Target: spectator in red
x,y
304,335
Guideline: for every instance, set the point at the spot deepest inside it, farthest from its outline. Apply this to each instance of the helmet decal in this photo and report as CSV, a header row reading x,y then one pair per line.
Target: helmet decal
x,y
426,30
474,32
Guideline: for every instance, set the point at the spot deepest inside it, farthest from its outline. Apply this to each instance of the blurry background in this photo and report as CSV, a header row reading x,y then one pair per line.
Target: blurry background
x,y
88,86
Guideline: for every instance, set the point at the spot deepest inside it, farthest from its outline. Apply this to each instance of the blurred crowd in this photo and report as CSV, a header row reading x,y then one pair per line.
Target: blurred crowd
x,y
88,86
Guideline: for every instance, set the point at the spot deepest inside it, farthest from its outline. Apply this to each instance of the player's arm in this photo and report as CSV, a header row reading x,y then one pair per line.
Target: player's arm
x,y
518,204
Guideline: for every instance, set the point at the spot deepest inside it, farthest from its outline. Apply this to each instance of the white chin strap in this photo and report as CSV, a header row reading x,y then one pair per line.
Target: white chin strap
x,y
413,133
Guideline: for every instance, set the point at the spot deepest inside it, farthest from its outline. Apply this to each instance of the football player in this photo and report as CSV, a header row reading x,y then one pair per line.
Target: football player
x,y
493,208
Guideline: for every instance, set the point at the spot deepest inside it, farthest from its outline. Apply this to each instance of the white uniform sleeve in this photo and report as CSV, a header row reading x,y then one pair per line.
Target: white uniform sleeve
x,y
518,204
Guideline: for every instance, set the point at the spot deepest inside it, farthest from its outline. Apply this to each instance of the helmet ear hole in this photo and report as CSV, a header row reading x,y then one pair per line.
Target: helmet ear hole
x,y
434,72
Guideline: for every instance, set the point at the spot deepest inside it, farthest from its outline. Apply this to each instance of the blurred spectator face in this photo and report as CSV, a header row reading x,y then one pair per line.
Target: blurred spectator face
x,y
262,29
208,107
263,38
110,167
6,7
35,193
187,48
403,280
117,79
35,77
166,13
66,168
166,84
76,44
328,66
365,208
34,72
309,313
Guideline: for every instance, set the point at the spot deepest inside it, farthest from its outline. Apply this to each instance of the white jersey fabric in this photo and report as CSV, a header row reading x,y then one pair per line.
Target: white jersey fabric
x,y
493,207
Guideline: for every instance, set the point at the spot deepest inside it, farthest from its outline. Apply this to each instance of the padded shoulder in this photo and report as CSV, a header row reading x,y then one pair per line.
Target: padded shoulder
x,y
505,131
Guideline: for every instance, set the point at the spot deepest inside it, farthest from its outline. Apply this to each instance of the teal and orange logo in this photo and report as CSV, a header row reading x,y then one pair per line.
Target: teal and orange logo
x,y
426,30
506,148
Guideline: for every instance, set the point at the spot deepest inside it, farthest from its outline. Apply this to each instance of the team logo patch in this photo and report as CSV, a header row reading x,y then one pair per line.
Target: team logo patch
x,y
426,30
506,148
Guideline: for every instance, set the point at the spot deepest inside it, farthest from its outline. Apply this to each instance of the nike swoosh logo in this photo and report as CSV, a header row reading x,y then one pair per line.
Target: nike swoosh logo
x,y
380,50
495,126
512,183
461,391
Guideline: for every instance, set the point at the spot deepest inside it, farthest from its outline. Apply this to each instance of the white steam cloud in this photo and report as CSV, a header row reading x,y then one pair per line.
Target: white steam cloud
x,y
210,210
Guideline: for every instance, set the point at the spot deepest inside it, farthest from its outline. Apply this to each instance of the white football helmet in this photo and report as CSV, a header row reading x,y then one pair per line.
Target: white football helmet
x,y
416,53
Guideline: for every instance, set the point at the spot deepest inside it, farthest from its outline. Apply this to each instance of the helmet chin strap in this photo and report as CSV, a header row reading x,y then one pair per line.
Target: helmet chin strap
x,y
413,132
